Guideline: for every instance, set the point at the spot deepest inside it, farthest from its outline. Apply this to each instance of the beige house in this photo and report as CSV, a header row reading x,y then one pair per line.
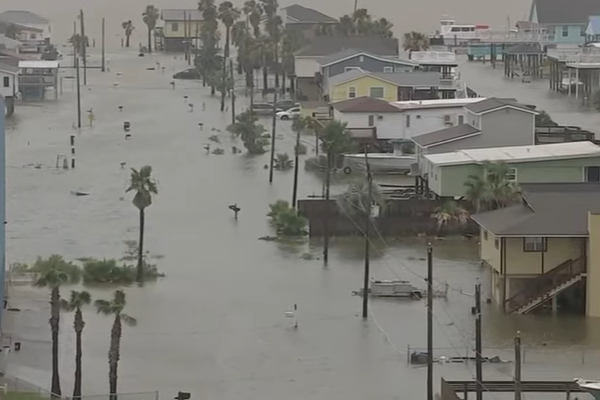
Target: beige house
x,y
546,250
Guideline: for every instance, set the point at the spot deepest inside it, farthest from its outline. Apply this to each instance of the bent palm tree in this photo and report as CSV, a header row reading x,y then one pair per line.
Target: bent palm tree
x,y
128,27
150,16
228,15
415,41
253,12
448,212
115,308
52,273
144,186
77,301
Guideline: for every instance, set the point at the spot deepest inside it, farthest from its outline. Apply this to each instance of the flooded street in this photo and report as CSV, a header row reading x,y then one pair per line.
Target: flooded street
x,y
215,324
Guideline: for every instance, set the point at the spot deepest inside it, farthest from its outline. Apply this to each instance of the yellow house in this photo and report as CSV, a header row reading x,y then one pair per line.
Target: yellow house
x,y
388,86
179,25
546,250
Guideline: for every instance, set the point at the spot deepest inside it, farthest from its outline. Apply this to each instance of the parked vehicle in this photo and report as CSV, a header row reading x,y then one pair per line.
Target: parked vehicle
x,y
190,73
263,109
285,105
288,114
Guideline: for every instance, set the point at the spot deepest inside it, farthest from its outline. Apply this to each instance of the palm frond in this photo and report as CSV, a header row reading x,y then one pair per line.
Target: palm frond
x,y
128,320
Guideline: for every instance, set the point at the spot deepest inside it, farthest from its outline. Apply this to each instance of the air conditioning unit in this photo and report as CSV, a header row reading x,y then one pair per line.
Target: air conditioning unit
x,y
447,118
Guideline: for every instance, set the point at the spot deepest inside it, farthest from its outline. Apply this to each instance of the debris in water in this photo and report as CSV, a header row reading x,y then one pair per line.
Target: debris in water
x,y
214,138
218,151
78,193
235,209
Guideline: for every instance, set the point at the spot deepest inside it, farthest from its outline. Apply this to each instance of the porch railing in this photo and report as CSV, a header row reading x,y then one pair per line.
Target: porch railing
x,y
544,283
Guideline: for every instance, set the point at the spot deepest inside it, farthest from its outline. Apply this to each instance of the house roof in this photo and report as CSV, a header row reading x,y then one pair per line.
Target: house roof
x,y
565,11
435,103
326,45
444,135
525,48
365,104
5,24
548,209
22,17
593,27
9,43
350,53
38,64
11,69
495,103
179,14
307,15
542,152
404,79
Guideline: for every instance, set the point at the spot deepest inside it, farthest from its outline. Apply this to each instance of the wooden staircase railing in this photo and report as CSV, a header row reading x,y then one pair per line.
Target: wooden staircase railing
x,y
544,283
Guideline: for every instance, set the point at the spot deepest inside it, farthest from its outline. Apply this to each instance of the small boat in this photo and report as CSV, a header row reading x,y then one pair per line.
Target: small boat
x,y
453,34
593,387
379,162
393,288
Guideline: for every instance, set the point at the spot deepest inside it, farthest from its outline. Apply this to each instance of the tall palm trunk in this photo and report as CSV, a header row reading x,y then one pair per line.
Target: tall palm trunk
x,y
296,167
127,41
54,327
113,356
226,53
149,40
78,325
276,54
283,81
265,72
140,264
326,219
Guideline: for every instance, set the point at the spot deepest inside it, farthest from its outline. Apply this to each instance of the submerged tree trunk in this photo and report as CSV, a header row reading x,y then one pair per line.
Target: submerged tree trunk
x,y
127,41
113,356
224,91
327,185
293,87
54,327
276,66
140,263
78,325
212,90
149,40
283,81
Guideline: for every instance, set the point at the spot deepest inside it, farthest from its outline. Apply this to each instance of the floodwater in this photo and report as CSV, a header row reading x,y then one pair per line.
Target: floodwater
x,y
215,326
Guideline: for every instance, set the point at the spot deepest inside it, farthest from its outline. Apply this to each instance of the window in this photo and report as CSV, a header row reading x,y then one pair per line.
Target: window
x,y
461,119
496,243
565,31
485,235
592,174
377,92
346,69
351,92
418,117
371,120
408,121
534,244
388,69
511,174
32,36
6,81
174,26
361,58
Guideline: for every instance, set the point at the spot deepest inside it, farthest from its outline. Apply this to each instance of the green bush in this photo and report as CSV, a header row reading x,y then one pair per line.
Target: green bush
x,y
286,220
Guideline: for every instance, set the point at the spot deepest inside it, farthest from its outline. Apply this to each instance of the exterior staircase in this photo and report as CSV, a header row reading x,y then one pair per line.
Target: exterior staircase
x,y
546,286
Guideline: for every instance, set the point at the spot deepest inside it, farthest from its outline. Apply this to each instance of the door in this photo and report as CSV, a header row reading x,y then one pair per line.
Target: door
x,y
592,174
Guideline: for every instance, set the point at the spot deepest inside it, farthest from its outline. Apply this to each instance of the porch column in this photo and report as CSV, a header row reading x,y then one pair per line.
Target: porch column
x,y
570,83
554,304
576,83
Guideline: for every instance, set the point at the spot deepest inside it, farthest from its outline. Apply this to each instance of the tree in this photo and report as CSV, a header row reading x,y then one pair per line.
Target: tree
x,y
228,14
209,29
50,53
52,273
292,42
286,220
283,162
77,301
415,41
361,23
79,43
253,12
249,131
355,200
150,17
221,81
128,27
208,62
544,119
115,308
144,186
494,189
450,211
274,29
298,125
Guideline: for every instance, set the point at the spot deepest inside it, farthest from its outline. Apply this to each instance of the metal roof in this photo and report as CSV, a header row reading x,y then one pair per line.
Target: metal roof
x,y
436,103
402,79
444,135
38,64
179,14
542,152
565,11
307,15
326,45
495,103
350,53
365,104
22,17
11,69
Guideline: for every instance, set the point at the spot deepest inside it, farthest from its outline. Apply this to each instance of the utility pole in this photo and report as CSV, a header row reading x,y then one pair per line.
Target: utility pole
x,y
298,124
103,44
232,91
83,47
273,132
355,6
326,219
478,350
185,52
78,93
365,304
429,322
518,366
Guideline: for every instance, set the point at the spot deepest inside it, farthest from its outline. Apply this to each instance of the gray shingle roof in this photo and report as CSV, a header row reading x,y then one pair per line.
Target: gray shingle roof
x,y
345,76
178,15
348,53
365,104
326,45
307,15
9,68
525,48
494,103
565,11
443,135
22,17
413,79
549,209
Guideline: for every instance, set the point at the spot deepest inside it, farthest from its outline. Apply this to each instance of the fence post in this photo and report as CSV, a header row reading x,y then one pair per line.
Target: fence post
x,y
408,354
157,396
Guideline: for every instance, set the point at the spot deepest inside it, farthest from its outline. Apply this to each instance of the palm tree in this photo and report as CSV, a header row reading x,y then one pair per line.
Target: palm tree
x,y
249,131
292,42
298,125
544,119
150,17
415,41
382,28
144,186
253,12
265,44
115,307
52,273
475,191
270,8
323,29
274,28
208,61
283,162
228,14
77,301
448,212
346,26
210,26
128,27
494,189
221,81
354,202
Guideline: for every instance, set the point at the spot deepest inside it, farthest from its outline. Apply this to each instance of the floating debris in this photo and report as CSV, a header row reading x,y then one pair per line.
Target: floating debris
x,y
218,151
235,209
214,138
78,193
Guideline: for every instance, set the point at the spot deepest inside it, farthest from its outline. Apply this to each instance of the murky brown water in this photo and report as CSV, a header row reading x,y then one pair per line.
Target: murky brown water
x,y
215,326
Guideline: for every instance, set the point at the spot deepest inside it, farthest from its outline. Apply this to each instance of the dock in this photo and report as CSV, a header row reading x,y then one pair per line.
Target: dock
x,y
451,389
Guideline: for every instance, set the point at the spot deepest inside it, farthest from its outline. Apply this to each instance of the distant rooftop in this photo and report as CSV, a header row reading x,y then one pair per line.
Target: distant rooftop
x,y
22,17
349,53
565,11
327,45
436,103
365,104
434,57
181,14
495,103
555,151
42,64
11,69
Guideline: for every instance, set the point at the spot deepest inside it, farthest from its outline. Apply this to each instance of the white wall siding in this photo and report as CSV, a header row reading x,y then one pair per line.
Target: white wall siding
x,y
389,125
306,66
13,83
431,120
